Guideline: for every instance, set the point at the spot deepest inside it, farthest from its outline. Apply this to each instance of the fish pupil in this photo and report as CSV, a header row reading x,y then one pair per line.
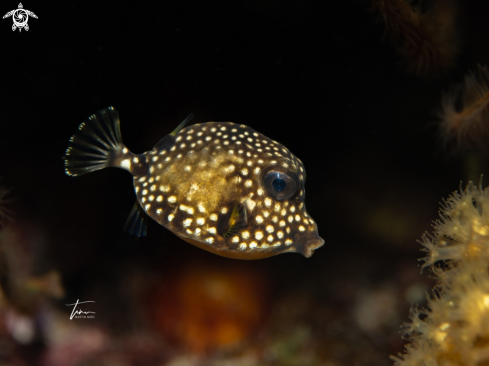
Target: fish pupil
x,y
279,184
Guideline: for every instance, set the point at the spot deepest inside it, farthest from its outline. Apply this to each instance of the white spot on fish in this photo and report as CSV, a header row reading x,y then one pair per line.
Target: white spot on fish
x,y
165,188
126,163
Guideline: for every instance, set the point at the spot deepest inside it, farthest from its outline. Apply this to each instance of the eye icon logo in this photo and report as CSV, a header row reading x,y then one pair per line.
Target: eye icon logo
x,y
20,17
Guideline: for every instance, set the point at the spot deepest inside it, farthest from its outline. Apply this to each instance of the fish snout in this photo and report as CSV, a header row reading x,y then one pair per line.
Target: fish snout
x,y
311,244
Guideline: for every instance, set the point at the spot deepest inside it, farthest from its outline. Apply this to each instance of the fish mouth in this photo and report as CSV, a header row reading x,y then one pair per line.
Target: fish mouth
x,y
311,245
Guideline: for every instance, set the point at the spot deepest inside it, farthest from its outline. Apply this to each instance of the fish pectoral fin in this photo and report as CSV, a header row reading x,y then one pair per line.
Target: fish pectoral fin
x,y
169,140
233,220
136,222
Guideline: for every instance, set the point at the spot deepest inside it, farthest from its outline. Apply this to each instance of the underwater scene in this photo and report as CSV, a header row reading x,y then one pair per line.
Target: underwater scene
x,y
262,182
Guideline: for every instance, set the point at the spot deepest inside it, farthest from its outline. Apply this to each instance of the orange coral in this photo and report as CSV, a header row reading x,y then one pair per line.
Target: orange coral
x,y
204,307
428,40
468,126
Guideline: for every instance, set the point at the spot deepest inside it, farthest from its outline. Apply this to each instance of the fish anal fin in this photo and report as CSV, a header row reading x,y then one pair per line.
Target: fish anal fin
x,y
136,222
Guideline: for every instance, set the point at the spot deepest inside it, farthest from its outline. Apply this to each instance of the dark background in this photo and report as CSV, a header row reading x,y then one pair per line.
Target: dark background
x,y
316,76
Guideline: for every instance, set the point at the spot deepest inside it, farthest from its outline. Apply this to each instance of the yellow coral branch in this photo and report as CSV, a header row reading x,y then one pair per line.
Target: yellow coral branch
x,y
455,327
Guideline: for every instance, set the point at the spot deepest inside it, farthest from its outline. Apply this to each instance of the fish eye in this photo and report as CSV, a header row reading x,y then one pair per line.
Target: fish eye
x,y
279,184
282,186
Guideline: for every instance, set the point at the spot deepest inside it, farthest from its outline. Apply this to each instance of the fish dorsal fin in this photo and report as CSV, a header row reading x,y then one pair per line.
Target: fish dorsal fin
x,y
168,140
136,222
233,220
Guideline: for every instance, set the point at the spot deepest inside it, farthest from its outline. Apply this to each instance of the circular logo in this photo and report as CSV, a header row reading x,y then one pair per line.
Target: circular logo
x,y
20,17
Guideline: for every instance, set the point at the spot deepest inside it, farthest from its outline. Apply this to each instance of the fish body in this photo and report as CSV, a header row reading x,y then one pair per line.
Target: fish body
x,y
220,186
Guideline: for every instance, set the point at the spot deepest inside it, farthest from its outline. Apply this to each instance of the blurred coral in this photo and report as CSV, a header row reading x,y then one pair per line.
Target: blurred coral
x,y
5,213
454,329
428,41
25,290
206,307
468,126
70,343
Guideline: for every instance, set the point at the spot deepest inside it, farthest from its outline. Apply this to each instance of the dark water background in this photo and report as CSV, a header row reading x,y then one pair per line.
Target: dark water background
x,y
313,75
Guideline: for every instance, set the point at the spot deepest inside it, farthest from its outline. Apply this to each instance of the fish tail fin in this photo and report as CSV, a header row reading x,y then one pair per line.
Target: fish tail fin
x,y
96,145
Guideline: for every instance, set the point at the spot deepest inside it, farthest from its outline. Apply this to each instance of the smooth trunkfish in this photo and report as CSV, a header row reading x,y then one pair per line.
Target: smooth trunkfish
x,y
220,186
